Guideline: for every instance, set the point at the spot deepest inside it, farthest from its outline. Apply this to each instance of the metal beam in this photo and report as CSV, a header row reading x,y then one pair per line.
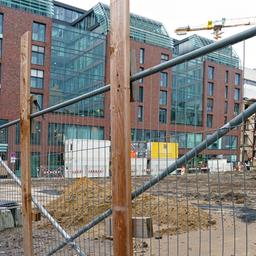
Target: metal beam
x,y
150,71
188,156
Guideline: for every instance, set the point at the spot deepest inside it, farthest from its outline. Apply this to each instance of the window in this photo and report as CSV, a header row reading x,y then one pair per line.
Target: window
x,y
209,105
164,57
39,98
142,79
237,79
38,32
3,133
237,94
140,113
141,94
37,55
225,119
1,33
37,78
236,108
210,89
226,77
35,135
226,92
209,121
142,55
163,98
225,107
210,73
162,115
164,79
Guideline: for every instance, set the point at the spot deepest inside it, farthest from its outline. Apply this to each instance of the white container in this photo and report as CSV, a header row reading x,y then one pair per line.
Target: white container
x,y
87,158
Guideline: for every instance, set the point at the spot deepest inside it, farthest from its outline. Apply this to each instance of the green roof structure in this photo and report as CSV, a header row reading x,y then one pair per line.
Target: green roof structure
x,y
41,7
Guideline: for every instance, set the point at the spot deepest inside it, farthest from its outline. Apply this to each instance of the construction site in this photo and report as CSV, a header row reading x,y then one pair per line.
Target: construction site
x,y
119,139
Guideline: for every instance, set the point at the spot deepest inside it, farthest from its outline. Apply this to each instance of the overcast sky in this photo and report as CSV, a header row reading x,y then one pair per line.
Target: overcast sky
x,y
181,13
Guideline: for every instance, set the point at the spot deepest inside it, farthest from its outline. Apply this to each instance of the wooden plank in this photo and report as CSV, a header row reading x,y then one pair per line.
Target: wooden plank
x,y
25,57
120,126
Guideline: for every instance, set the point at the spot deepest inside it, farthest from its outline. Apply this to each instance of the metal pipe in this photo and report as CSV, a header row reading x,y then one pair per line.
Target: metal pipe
x,y
45,212
188,156
150,71
196,53
62,105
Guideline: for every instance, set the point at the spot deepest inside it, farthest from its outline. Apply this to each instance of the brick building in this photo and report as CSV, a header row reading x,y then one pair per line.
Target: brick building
x,y
70,56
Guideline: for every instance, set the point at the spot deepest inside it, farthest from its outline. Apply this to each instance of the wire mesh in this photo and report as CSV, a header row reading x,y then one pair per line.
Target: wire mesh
x,y
204,207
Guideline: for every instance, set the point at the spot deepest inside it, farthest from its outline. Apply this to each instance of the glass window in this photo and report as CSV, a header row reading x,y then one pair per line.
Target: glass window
x,y
210,73
226,77
225,119
39,98
37,55
164,57
163,98
164,79
226,92
237,94
142,79
55,160
37,78
142,55
1,23
162,115
236,108
209,121
140,113
3,132
226,107
141,94
35,136
38,32
237,79
210,89
209,105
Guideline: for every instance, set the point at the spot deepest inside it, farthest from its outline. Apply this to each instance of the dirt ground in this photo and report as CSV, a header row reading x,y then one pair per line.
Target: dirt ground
x,y
227,201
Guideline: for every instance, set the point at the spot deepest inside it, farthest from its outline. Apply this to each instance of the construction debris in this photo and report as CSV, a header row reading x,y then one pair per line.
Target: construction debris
x,y
85,199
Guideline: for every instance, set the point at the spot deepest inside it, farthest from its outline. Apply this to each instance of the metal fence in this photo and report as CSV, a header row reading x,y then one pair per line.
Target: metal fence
x,y
185,201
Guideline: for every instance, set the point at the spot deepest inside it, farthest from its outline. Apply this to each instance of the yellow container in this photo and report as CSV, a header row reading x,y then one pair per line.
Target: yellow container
x,y
163,150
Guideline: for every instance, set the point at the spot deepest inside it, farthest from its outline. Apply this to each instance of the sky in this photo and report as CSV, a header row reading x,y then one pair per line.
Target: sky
x,y
174,14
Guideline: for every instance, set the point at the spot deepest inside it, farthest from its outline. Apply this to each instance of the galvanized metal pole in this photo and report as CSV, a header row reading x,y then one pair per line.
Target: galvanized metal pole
x,y
25,58
43,210
150,71
120,127
188,156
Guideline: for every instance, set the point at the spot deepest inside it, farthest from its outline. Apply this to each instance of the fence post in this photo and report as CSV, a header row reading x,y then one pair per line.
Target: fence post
x,y
25,58
120,126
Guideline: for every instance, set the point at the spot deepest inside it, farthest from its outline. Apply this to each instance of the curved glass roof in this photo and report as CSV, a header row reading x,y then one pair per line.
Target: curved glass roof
x,y
141,28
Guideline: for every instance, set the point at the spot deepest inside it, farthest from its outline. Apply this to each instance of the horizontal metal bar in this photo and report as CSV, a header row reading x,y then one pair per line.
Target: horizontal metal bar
x,y
44,211
188,156
150,71
66,103
196,53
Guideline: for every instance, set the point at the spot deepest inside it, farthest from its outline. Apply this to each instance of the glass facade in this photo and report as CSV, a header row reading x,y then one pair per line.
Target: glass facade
x,y
226,142
187,93
148,135
65,14
186,140
57,133
77,67
42,7
141,29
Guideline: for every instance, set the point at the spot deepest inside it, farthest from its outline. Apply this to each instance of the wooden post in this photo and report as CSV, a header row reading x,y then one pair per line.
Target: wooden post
x,y
120,127
25,57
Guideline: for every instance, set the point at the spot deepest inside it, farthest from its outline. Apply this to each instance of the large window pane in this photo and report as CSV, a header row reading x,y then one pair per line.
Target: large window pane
x,y
37,55
164,79
162,115
210,73
163,98
38,32
37,78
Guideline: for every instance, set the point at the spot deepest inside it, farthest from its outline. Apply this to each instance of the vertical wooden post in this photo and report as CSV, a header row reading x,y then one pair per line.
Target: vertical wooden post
x,y
25,57
120,127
